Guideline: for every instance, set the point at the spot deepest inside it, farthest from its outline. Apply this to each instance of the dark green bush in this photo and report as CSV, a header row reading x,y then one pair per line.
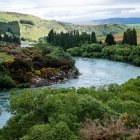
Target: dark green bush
x,y
6,82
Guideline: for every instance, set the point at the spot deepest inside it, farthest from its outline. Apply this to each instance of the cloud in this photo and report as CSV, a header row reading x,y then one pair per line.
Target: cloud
x,y
74,10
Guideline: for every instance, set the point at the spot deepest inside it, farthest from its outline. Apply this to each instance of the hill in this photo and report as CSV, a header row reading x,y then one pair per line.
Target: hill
x,y
41,27
117,20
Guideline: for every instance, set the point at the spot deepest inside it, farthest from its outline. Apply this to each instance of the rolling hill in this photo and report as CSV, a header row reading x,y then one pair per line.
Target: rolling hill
x,y
41,27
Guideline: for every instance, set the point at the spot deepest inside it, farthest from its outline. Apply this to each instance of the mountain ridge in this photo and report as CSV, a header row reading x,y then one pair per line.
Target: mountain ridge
x,y
130,20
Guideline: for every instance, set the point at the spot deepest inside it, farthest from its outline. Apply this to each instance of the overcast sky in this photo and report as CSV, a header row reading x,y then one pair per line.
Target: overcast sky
x,y
74,10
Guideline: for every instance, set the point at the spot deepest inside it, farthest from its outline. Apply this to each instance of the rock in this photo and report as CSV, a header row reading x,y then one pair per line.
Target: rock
x,y
61,77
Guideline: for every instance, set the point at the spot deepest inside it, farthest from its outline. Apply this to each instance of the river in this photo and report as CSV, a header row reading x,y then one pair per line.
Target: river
x,y
94,72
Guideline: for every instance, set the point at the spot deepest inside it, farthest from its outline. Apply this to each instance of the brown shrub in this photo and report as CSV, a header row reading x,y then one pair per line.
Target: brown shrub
x,y
108,130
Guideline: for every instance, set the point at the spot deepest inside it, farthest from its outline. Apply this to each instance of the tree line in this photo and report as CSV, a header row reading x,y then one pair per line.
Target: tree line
x,y
26,22
70,39
130,37
10,37
74,38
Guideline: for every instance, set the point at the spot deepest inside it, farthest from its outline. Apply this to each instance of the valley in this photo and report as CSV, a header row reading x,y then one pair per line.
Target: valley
x,y
63,81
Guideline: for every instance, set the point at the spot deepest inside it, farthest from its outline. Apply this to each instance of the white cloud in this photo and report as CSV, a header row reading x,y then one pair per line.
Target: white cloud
x,y
74,10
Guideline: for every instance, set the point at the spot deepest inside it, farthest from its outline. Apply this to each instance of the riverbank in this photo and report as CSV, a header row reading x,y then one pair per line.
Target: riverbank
x,y
94,72
55,77
122,53
40,65
56,111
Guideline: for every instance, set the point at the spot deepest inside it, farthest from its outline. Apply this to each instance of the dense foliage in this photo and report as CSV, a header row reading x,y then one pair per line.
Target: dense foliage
x,y
118,52
23,21
70,39
51,114
130,37
10,37
110,40
75,39
42,64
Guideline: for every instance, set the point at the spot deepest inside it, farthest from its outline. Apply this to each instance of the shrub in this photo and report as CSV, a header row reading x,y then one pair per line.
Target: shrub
x,y
6,82
107,130
24,85
26,22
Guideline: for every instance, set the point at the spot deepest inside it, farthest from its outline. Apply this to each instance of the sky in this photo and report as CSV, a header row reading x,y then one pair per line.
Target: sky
x,y
74,10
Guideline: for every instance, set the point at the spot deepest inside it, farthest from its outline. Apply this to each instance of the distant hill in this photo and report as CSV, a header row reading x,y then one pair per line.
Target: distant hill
x,y
41,27
117,20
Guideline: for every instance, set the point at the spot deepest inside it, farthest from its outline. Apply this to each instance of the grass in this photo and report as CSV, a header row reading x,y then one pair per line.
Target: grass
x,y
4,57
33,32
42,27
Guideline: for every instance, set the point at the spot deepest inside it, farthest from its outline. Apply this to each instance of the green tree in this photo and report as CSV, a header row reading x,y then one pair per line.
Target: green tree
x,y
110,40
134,37
51,36
8,37
16,39
93,38
124,38
130,37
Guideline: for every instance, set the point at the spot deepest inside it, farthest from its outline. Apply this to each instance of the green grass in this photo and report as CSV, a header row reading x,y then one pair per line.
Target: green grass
x,y
42,27
4,57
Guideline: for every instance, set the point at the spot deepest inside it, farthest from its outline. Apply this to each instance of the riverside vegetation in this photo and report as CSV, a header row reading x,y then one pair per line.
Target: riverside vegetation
x,y
37,66
69,114
108,113
87,45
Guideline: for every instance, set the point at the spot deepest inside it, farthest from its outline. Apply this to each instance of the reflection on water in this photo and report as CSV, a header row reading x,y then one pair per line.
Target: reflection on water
x,y
94,72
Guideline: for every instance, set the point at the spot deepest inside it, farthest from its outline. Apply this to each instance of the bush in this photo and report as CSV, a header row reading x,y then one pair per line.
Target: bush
x,y
123,53
24,85
58,113
108,130
6,82
26,22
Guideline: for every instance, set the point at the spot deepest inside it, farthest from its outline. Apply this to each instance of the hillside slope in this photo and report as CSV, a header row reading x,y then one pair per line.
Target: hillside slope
x,y
41,27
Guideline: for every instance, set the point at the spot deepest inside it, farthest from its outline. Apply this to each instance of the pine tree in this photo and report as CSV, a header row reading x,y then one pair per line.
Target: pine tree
x,y
134,37
110,39
130,37
93,38
50,37
124,38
